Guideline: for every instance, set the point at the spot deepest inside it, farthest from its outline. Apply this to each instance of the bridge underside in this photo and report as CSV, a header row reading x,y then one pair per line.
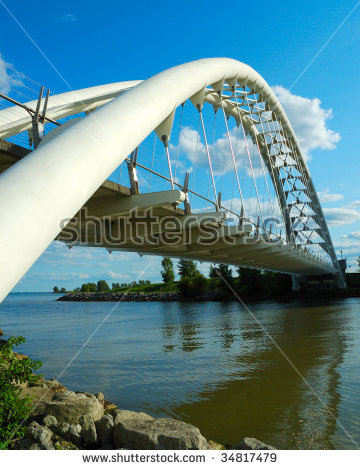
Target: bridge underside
x,y
153,224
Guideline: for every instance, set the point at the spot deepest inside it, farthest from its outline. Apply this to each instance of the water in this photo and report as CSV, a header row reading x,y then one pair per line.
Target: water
x,y
209,364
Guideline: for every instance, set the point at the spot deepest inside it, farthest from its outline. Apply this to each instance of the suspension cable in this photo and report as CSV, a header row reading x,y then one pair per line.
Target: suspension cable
x,y
251,165
208,155
260,155
178,143
232,153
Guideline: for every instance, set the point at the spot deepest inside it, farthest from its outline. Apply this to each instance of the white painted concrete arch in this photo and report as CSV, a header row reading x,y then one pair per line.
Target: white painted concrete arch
x,y
53,182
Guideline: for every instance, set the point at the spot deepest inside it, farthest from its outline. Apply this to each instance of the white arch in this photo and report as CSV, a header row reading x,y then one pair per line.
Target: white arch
x,y
53,182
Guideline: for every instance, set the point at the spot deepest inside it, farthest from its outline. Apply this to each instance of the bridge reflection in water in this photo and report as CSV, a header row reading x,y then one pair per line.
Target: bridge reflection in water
x,y
253,390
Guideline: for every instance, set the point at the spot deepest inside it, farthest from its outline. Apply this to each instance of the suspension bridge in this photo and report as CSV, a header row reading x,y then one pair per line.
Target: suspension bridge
x,y
201,157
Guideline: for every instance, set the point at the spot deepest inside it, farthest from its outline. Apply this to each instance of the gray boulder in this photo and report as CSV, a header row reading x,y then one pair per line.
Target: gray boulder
x,y
88,431
141,431
104,429
37,437
69,432
50,422
250,443
67,407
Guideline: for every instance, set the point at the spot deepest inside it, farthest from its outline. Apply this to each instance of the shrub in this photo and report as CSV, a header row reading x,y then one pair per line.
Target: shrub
x,y
192,286
13,372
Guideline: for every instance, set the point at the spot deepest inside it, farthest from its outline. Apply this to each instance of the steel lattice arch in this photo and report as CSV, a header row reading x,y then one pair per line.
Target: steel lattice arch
x,y
69,168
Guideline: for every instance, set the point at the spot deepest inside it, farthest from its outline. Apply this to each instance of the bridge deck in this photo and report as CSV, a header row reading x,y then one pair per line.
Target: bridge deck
x,y
230,245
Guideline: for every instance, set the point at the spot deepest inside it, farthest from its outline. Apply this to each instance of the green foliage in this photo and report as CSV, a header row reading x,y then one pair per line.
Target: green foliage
x,y
212,272
56,290
167,272
14,409
192,286
251,282
277,283
102,286
89,287
187,268
225,283
63,290
257,283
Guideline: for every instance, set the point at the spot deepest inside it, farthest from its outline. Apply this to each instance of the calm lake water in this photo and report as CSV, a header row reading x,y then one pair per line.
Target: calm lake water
x,y
209,364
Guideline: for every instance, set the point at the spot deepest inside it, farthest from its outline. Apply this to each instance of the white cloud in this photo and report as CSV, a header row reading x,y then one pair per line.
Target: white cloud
x,y
344,215
192,146
309,121
7,81
60,276
327,196
350,246
68,18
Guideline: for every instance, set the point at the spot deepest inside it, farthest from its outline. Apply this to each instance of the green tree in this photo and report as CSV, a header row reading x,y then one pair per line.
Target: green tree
x,y
358,262
276,283
226,280
167,271
63,290
194,286
56,290
13,372
213,272
187,268
102,286
251,281
89,287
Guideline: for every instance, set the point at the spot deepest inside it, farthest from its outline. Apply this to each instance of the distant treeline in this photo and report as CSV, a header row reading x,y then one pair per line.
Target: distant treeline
x,y
103,286
222,280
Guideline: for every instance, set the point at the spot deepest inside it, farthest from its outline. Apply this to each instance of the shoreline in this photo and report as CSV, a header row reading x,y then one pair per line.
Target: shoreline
x,y
67,420
206,297
61,419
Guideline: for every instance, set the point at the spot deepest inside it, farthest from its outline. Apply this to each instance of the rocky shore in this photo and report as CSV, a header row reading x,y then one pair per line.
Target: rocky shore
x,y
61,419
132,297
66,420
205,297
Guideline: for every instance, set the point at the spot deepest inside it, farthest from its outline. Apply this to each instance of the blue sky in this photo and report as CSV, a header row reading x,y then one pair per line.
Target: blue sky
x,y
92,43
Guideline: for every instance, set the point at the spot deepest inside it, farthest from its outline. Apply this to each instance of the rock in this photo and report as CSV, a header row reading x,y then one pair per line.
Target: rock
x,y
50,422
69,432
64,445
104,429
109,406
88,431
40,382
55,385
216,445
25,444
19,356
40,397
107,447
100,397
250,443
68,406
37,437
141,431
124,415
